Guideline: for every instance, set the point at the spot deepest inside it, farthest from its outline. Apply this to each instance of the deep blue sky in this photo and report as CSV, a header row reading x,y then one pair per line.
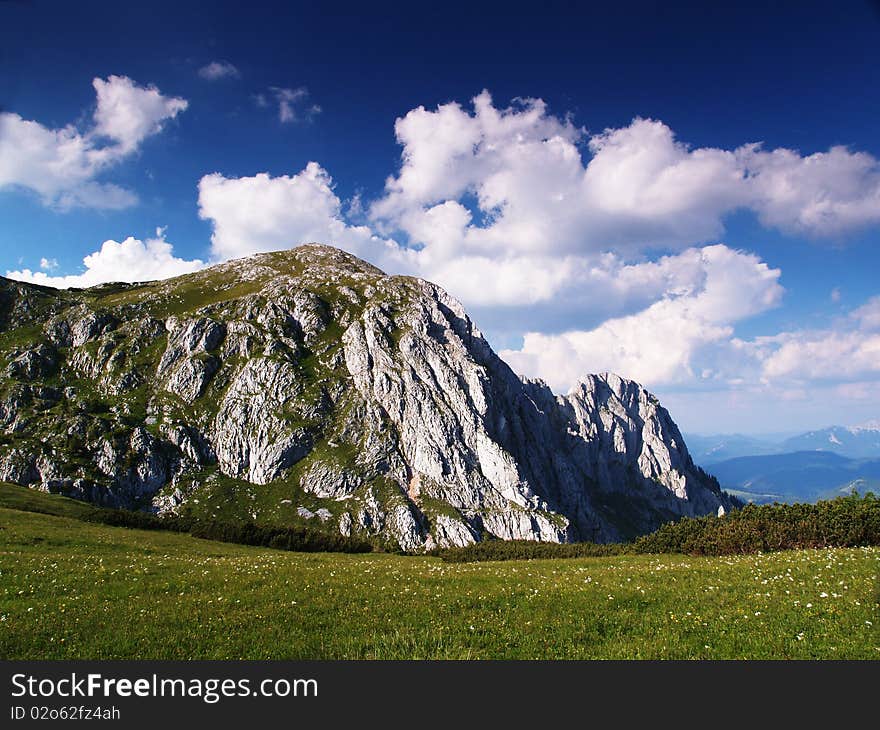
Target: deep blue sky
x,y
800,75
796,74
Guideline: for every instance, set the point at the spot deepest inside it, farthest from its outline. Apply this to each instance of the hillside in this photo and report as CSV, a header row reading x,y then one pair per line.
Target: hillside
x,y
803,476
308,386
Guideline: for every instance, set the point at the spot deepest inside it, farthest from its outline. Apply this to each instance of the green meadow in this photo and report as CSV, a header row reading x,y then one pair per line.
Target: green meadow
x,y
76,589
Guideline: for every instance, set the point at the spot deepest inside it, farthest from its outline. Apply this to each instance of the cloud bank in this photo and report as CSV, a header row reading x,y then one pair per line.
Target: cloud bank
x,y
595,251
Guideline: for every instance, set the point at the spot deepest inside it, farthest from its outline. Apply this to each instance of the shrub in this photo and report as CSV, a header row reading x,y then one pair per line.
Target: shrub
x,y
843,522
138,520
300,539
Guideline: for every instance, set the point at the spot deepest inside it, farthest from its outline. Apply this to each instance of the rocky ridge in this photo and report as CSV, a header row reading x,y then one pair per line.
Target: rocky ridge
x,y
307,385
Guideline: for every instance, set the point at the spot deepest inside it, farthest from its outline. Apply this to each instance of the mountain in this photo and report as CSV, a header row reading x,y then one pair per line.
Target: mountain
x,y
308,386
857,442
707,450
803,476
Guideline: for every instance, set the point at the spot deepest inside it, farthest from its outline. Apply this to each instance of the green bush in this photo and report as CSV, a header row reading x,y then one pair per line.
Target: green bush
x,y
843,522
138,520
299,539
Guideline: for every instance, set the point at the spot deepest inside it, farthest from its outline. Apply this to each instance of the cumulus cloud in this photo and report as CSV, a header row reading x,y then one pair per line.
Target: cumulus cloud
x,y
130,260
501,207
266,213
515,179
127,113
48,264
60,164
217,70
542,228
823,194
666,342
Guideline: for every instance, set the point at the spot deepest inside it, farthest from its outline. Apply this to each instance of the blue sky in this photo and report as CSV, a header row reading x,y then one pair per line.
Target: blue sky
x,y
598,208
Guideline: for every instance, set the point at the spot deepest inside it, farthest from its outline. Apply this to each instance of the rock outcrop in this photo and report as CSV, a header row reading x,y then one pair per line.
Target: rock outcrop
x,y
307,385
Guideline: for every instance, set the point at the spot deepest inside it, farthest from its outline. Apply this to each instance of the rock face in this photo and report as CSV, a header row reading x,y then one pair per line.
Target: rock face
x,y
307,385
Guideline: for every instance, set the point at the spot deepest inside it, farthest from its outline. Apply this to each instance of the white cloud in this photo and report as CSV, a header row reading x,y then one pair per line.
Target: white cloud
x,y
48,264
823,194
669,341
61,164
849,349
130,260
128,113
499,206
823,355
292,104
217,70
266,213
868,315
514,180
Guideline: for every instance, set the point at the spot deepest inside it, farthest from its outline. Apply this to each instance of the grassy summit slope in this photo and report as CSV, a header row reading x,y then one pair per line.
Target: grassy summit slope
x,y
68,586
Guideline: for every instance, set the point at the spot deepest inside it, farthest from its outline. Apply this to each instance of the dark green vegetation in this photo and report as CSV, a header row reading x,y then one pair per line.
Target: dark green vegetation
x,y
843,522
528,550
851,521
76,589
301,539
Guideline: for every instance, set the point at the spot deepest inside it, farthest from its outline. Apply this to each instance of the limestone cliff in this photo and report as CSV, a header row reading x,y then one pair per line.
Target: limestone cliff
x,y
309,385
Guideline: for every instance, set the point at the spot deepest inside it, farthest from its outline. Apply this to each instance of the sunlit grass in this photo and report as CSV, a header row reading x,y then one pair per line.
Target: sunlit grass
x,y
70,589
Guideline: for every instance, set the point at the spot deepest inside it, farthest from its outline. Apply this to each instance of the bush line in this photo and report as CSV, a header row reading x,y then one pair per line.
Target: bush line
x,y
850,521
298,539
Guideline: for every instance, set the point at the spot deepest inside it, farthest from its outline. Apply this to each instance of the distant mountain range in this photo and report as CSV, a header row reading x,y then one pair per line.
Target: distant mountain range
x,y
801,476
814,465
858,442
854,442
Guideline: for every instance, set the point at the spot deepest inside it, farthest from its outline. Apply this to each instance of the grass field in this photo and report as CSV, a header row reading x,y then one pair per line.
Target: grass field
x,y
73,589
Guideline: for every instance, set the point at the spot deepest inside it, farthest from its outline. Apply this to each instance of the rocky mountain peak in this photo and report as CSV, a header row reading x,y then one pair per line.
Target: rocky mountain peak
x,y
309,385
